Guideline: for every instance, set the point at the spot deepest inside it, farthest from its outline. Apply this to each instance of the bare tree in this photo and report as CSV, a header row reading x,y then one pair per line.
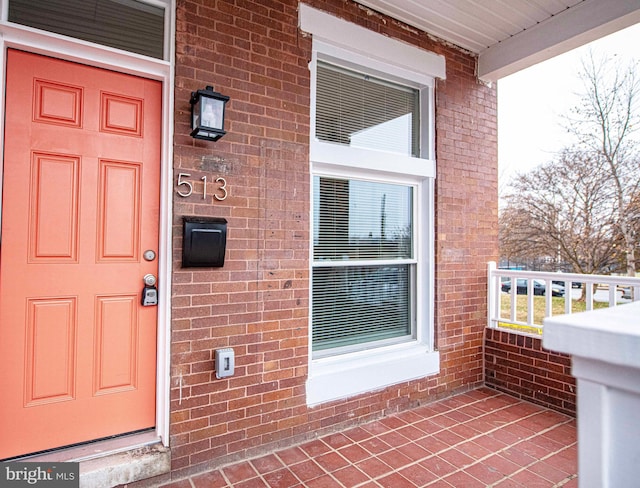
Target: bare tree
x,y
606,124
583,208
562,211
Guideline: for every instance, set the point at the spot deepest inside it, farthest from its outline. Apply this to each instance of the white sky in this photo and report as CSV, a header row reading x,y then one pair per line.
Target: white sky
x,y
531,102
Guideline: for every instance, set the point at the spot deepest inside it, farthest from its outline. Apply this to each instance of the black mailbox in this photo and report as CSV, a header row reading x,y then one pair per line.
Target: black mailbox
x,y
204,242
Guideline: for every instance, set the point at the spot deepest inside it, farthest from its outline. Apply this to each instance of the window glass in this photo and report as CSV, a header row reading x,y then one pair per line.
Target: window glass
x,y
365,271
124,24
358,110
357,303
355,219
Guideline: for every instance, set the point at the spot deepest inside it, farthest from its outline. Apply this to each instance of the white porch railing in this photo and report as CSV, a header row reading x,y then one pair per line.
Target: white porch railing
x,y
520,310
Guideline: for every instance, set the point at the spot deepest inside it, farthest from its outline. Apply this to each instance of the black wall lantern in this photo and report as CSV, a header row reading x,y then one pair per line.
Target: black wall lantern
x,y
207,114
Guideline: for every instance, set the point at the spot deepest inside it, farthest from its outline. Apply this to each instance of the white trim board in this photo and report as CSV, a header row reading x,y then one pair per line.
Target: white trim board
x,y
375,47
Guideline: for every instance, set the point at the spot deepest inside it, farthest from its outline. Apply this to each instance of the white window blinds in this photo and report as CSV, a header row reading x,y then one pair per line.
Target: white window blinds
x,y
361,220
358,110
124,24
363,263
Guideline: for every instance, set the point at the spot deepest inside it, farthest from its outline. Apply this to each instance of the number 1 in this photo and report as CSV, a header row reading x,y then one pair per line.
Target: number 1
x,y
204,187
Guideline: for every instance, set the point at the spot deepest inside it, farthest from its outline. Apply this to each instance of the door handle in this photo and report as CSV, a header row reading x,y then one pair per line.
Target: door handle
x,y
149,292
149,280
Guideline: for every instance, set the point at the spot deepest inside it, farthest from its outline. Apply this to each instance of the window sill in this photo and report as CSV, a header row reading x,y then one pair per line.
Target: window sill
x,y
343,376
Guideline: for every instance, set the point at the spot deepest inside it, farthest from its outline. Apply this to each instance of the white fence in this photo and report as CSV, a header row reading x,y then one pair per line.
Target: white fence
x,y
522,308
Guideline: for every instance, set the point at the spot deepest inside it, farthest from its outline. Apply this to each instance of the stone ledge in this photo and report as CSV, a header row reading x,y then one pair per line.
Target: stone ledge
x,y
125,467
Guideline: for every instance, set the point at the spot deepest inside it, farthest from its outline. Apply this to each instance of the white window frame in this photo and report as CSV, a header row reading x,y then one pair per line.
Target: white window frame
x,y
339,42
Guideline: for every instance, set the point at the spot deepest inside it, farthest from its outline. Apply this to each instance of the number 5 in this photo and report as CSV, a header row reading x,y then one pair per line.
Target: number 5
x,y
189,186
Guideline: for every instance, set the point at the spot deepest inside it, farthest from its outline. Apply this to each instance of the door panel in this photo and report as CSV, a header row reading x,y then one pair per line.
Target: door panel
x,y
119,211
80,206
54,210
51,331
116,343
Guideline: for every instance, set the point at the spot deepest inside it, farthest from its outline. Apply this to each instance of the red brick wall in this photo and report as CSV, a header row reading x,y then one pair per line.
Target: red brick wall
x,y
520,366
466,217
258,303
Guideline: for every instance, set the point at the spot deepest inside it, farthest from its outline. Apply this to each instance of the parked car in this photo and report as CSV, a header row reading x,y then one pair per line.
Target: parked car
x,y
539,287
574,284
626,292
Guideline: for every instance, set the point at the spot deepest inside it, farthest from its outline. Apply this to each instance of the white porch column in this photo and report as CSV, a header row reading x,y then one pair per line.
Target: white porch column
x,y
605,345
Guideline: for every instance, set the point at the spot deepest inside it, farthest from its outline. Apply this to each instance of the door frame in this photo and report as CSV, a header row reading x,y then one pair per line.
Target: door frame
x,y
54,45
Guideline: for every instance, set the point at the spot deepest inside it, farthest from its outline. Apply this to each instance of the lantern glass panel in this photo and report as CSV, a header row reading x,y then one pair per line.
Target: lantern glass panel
x,y
212,113
195,114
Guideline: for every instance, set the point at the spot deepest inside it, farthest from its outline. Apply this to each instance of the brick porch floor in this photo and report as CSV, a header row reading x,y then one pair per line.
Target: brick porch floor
x,y
476,439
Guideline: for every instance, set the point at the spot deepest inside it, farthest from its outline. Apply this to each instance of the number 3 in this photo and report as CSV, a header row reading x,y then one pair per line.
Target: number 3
x,y
223,189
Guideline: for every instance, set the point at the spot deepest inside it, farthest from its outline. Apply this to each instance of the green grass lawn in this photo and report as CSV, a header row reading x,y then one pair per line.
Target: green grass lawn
x,y
557,306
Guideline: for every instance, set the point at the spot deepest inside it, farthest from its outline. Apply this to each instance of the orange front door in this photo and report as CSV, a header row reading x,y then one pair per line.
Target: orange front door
x,y
80,206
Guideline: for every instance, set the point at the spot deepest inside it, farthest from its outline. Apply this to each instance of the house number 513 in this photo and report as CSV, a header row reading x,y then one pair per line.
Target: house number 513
x,y
187,188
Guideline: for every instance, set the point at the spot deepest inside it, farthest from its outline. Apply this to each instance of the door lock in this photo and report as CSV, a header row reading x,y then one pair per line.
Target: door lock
x,y
149,292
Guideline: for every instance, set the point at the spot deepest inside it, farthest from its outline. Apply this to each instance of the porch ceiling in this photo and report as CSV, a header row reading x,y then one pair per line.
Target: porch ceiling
x,y
510,35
